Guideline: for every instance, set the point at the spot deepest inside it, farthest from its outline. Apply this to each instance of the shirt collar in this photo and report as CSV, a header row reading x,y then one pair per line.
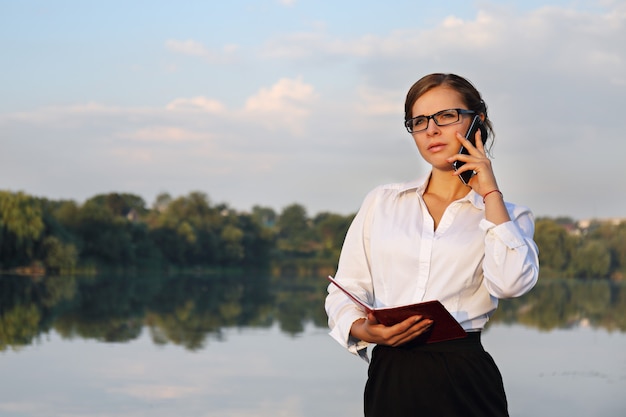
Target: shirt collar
x,y
419,185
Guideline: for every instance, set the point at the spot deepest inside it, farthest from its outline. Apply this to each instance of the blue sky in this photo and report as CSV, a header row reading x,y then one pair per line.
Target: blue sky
x,y
271,102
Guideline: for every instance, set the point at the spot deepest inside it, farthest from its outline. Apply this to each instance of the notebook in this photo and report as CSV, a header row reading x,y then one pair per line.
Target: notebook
x,y
444,326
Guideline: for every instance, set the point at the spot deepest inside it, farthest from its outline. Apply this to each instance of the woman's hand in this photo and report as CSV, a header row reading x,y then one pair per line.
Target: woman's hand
x,y
369,330
484,180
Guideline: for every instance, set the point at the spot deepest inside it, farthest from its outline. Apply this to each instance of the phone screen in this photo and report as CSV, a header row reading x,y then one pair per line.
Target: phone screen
x,y
471,136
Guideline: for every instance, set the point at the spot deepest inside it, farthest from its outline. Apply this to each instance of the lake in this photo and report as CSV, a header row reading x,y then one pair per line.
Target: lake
x,y
255,345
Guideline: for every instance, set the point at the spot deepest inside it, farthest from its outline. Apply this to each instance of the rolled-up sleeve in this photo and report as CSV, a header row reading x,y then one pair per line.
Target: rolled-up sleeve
x,y
511,264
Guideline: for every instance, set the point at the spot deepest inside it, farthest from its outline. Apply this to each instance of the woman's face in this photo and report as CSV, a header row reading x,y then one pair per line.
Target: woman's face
x,y
437,143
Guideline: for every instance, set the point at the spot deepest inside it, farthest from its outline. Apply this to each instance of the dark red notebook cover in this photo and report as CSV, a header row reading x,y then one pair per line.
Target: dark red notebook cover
x,y
444,327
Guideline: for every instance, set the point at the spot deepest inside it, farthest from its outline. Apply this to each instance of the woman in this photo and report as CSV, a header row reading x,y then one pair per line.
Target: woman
x,y
436,238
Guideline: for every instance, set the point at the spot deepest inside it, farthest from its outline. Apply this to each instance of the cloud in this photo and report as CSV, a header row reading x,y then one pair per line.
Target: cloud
x,y
281,97
196,104
59,115
165,134
191,47
188,47
558,37
286,104
318,45
377,101
152,392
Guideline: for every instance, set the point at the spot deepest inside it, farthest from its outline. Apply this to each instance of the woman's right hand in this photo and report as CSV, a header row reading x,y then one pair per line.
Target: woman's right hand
x,y
370,330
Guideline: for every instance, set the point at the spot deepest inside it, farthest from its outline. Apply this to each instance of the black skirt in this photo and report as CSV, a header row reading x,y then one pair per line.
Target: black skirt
x,y
452,378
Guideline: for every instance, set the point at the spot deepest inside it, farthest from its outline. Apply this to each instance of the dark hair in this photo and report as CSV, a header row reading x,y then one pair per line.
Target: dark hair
x,y
468,92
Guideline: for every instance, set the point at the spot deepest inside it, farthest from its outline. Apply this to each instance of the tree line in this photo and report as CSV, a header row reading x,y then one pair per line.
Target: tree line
x,y
119,230
567,250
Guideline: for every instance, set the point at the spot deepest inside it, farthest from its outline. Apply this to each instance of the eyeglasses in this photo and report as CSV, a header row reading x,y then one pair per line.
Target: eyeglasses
x,y
441,118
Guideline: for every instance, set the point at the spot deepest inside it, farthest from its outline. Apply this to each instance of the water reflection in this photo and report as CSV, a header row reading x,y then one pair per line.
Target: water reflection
x,y
191,310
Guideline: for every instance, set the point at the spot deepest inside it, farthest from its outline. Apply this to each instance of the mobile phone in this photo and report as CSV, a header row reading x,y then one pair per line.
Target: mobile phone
x,y
477,123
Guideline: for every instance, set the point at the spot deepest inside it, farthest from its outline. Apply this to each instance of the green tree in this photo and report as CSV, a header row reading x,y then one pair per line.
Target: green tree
x,y
65,213
161,202
121,204
330,230
59,256
556,245
257,241
232,242
21,225
187,230
592,260
104,236
264,216
618,248
295,234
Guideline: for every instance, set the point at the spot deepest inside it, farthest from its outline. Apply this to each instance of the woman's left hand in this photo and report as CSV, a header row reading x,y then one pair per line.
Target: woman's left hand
x,y
484,179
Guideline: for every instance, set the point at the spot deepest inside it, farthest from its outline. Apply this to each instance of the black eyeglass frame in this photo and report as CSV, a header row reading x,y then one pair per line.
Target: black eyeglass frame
x,y
408,123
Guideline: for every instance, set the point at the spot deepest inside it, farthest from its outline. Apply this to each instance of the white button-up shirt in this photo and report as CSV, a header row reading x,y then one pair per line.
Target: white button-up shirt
x,y
392,255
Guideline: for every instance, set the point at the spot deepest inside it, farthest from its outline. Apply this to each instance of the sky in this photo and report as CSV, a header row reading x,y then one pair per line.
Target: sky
x,y
280,102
